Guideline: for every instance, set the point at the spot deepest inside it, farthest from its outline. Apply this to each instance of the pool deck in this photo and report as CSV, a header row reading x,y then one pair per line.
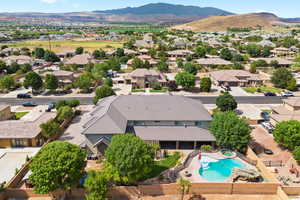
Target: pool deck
x,y
194,167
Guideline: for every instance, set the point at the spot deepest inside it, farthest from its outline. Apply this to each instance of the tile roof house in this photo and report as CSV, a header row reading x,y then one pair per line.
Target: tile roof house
x,y
82,59
144,78
18,59
281,61
155,119
213,62
18,133
289,110
236,78
63,76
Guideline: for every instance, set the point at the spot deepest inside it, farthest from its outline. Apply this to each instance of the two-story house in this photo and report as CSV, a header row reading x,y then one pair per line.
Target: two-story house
x,y
173,122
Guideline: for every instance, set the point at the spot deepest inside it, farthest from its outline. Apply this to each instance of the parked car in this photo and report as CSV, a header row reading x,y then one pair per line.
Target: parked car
x,y
29,104
287,94
23,96
268,151
269,94
268,126
50,107
265,116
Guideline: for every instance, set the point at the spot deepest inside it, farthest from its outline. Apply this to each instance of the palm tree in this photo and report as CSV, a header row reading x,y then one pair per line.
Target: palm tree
x,y
184,186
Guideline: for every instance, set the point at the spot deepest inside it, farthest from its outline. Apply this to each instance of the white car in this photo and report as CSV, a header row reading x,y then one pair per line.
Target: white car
x,y
287,94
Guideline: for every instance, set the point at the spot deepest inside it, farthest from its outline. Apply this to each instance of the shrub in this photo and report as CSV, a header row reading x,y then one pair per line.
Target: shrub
x,y
206,148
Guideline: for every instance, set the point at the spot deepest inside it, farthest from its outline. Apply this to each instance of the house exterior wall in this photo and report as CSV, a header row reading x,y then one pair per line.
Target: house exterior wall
x,y
5,143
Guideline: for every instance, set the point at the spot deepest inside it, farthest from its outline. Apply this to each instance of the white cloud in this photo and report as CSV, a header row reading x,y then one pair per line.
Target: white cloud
x,y
49,1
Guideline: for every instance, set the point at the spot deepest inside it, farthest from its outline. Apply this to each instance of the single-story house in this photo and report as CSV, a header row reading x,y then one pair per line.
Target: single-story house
x,y
18,133
235,78
62,76
18,59
289,110
82,59
213,62
157,119
281,61
180,53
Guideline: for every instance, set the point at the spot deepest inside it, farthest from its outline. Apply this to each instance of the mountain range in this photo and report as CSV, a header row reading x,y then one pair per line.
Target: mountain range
x,y
153,13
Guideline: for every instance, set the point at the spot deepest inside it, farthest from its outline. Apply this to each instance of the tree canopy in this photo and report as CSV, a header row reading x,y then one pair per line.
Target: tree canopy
x,y
226,102
51,82
96,185
287,134
102,92
205,84
230,131
33,80
58,165
130,156
185,79
281,77
50,128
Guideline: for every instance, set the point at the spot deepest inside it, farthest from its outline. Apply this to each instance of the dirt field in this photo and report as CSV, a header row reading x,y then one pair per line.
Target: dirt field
x,y
59,46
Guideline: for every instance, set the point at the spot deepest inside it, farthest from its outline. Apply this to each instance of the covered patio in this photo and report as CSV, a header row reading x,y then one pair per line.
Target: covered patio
x,y
175,137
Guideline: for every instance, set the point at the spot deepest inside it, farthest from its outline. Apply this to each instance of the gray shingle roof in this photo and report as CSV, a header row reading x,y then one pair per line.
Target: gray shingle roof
x,y
23,129
112,113
173,133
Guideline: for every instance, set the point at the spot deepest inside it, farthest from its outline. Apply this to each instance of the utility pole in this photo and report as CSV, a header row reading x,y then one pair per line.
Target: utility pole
x,y
49,40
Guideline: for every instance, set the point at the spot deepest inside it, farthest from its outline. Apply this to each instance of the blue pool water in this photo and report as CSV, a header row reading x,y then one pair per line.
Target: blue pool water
x,y
218,170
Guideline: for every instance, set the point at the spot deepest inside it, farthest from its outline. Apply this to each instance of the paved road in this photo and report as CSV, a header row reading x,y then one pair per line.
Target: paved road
x,y
89,100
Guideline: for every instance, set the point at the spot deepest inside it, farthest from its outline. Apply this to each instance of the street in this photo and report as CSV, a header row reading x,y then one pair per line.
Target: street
x,y
89,100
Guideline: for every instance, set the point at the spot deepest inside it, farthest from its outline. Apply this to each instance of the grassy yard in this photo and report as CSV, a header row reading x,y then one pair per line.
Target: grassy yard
x,y
158,91
159,166
137,90
262,89
19,115
59,46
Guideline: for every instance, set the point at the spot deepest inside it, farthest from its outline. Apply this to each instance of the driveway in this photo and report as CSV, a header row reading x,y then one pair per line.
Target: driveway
x,y
262,139
238,91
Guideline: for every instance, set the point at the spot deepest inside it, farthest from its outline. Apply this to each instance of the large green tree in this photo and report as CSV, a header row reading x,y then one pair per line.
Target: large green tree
x,y
230,131
64,112
58,165
185,79
287,134
33,80
226,102
190,68
50,128
51,82
200,51
96,185
102,92
84,82
130,156
205,84
7,82
281,77
226,54
50,56
39,53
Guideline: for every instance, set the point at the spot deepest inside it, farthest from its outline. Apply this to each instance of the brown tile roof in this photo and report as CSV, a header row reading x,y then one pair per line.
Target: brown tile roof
x,y
82,59
213,61
232,75
293,101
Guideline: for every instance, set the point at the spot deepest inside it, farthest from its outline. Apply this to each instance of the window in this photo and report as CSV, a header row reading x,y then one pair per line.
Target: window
x,y
19,142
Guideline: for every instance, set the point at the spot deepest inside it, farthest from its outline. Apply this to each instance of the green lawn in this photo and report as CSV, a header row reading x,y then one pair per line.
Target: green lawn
x,y
58,46
262,89
138,90
158,91
159,166
19,115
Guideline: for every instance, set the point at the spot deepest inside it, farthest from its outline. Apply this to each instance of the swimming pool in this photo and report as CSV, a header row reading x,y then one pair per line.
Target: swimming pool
x,y
218,170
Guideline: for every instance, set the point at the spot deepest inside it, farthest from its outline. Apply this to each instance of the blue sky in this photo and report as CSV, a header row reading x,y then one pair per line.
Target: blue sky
x,y
286,8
